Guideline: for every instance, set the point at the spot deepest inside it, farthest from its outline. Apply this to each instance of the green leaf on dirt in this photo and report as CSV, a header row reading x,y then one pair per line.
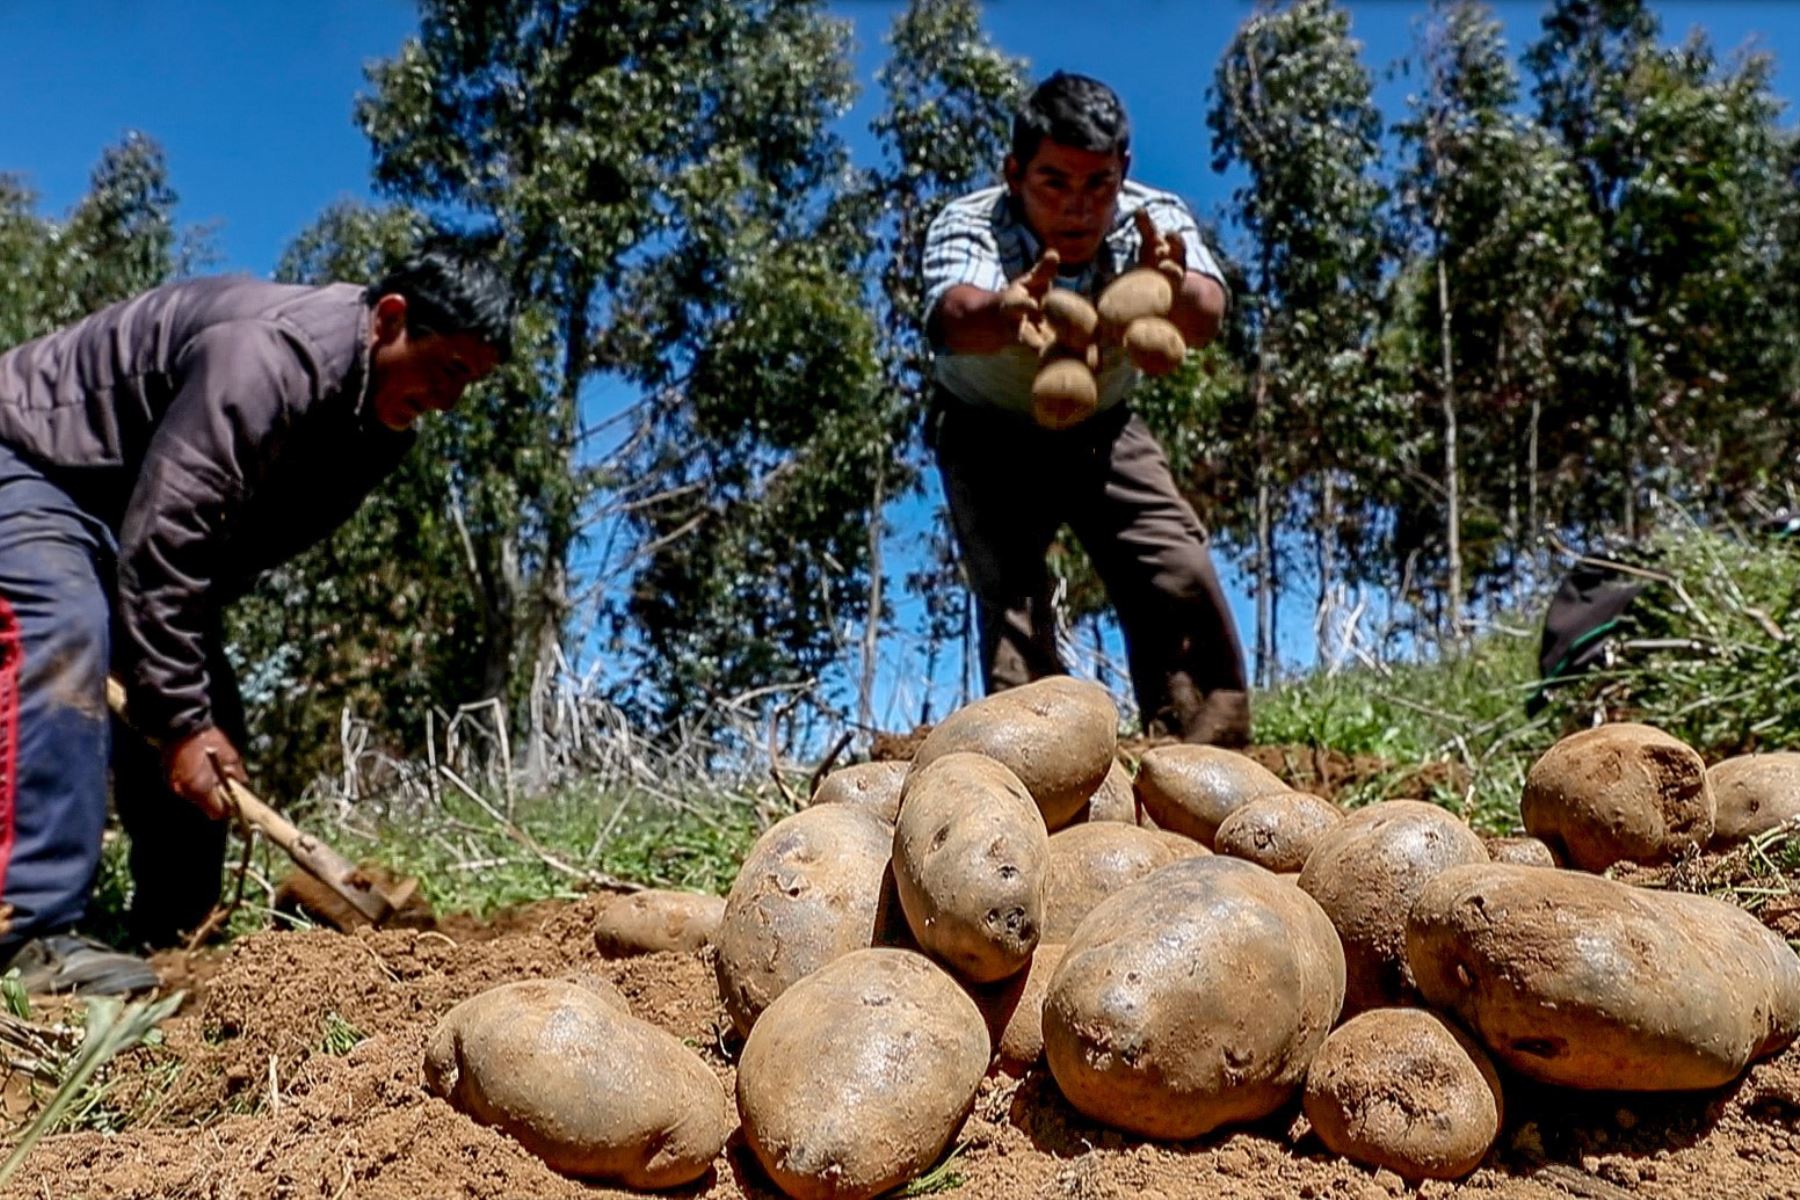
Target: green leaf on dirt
x,y
110,1026
341,1036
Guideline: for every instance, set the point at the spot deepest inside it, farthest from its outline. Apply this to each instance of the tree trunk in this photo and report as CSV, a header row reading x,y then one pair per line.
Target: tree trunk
x,y
1101,674
1274,618
1452,475
1631,446
551,593
1265,542
871,640
1326,542
968,647
1533,531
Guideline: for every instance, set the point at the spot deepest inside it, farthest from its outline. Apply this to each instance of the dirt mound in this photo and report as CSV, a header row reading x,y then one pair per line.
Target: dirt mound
x,y
359,1123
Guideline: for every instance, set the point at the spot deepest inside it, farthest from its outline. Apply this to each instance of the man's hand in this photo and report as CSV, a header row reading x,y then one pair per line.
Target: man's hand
x,y
972,320
1022,300
1024,296
1156,248
1199,301
188,765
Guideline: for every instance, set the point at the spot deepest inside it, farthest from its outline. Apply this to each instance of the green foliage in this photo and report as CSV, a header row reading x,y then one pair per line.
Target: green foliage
x,y
663,178
1682,357
12,995
1502,255
119,239
946,1176
468,863
1710,651
339,1036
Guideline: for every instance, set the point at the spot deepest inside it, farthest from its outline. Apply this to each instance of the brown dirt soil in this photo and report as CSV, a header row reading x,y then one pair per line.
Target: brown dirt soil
x,y
1322,771
361,1127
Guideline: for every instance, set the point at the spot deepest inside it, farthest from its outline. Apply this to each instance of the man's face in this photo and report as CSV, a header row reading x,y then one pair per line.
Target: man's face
x,y
415,374
1069,197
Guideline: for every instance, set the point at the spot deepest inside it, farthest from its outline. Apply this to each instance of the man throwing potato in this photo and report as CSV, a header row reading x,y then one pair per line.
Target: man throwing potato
x,y
1046,300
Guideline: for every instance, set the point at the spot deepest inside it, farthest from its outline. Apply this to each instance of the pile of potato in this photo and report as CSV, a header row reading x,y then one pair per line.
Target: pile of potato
x,y
1196,948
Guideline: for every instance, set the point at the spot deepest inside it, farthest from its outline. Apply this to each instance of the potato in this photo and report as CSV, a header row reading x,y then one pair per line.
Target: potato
x,y
1113,800
815,886
1365,872
1754,793
1155,345
970,852
1190,789
582,1084
1090,862
1526,851
1404,1089
874,786
651,920
1139,293
856,1079
1058,735
1618,793
1585,982
1064,393
1181,844
1071,317
1014,1010
1277,832
1192,999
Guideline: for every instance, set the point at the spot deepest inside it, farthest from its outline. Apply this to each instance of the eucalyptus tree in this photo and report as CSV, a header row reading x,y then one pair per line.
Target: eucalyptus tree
x,y
1292,109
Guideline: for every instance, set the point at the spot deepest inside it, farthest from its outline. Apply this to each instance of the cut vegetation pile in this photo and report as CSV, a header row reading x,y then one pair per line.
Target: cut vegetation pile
x,y
983,971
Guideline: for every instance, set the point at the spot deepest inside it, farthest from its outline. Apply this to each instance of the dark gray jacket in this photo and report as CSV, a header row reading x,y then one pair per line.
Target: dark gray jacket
x,y
218,427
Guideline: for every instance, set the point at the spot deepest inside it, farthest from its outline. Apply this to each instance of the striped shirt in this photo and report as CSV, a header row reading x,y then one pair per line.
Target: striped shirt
x,y
981,240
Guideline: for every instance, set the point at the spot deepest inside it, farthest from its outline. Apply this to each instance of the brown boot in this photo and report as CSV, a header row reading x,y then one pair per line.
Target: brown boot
x,y
1223,719
1220,717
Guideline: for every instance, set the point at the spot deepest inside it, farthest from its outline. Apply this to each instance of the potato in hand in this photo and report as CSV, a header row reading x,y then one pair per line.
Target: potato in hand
x,y
1155,345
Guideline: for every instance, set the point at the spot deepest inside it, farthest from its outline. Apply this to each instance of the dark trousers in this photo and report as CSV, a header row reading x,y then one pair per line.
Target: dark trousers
x,y
57,738
1011,485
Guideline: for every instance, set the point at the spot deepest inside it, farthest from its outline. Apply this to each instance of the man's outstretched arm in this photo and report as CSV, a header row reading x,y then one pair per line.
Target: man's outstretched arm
x,y
975,320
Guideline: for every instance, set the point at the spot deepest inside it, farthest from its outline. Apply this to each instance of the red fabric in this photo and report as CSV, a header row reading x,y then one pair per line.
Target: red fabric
x,y
11,651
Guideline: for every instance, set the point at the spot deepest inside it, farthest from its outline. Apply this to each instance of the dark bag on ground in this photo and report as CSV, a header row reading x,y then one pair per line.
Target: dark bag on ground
x,y
1583,614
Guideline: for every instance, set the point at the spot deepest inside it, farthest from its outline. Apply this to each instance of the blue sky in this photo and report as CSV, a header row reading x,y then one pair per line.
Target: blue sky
x,y
252,102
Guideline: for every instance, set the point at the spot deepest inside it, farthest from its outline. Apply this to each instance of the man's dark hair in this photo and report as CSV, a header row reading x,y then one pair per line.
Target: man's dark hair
x,y
448,291
1073,110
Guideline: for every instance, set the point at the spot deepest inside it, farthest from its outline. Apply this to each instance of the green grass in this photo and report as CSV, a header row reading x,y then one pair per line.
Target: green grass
x,y
689,833
1723,618
84,1095
466,861
1465,708
946,1176
1710,652
340,1036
